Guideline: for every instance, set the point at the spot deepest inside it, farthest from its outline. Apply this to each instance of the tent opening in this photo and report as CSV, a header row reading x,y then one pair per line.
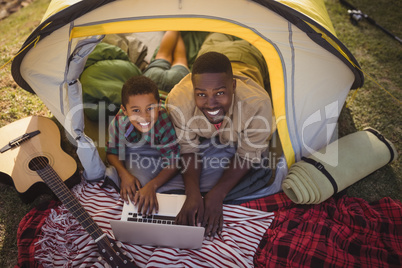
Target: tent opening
x,y
123,54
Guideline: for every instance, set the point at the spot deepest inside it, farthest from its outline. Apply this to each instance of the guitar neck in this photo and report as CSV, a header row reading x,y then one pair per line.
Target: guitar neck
x,y
56,184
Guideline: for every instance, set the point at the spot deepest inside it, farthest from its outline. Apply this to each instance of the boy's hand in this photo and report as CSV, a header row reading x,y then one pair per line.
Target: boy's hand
x,y
192,211
129,186
146,199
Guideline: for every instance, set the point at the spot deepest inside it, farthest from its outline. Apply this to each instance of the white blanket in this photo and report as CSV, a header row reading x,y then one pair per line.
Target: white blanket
x,y
66,244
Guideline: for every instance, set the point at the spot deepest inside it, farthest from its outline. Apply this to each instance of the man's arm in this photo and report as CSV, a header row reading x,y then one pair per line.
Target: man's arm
x,y
213,201
193,208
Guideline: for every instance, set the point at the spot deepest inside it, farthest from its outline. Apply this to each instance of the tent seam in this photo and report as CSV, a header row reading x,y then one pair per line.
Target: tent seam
x,y
298,143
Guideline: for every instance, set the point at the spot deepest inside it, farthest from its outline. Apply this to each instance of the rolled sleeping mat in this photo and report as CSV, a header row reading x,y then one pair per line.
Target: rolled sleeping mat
x,y
335,167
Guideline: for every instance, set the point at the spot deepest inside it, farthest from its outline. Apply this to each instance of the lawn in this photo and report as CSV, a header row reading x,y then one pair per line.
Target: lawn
x,y
377,104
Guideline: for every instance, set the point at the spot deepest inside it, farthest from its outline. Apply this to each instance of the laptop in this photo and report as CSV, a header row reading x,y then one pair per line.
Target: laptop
x,y
158,229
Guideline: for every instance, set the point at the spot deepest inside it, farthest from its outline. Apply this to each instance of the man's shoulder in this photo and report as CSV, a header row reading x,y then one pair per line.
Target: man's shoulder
x,y
248,90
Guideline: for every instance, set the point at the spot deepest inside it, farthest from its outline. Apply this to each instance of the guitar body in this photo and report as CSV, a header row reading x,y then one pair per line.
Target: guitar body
x,y
15,162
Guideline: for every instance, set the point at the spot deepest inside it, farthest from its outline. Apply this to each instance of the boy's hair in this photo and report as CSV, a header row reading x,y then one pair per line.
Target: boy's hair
x,y
212,62
138,85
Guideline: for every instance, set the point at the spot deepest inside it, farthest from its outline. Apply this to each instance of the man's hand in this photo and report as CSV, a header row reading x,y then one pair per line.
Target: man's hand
x,y
146,199
129,186
192,211
213,214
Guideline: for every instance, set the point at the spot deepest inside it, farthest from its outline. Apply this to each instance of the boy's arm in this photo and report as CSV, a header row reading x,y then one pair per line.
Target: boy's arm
x,y
129,184
146,196
193,208
169,150
213,200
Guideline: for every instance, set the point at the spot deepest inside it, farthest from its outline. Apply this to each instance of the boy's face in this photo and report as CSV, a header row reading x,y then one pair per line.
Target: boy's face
x,y
142,111
213,94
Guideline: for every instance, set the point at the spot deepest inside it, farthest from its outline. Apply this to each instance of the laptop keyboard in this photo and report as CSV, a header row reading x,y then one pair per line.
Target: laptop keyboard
x,y
159,219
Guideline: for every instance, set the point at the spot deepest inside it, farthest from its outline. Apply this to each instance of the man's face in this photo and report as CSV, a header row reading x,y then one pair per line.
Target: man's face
x,y
142,111
213,94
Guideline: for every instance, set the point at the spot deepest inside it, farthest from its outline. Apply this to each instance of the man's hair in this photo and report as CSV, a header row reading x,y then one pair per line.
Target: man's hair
x,y
212,62
138,85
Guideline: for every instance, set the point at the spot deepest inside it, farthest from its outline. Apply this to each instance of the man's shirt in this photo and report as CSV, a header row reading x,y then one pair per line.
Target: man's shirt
x,y
248,124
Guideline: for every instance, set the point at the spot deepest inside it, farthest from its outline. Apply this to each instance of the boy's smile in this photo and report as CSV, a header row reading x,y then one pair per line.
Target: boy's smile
x,y
142,111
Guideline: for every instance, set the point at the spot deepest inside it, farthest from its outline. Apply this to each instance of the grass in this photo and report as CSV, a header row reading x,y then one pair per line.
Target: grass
x,y
15,104
378,54
380,58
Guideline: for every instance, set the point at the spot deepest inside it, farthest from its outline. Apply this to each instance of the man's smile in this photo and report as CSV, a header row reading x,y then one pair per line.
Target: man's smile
x,y
213,113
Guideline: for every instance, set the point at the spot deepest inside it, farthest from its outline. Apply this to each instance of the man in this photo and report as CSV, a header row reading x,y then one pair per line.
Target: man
x,y
214,110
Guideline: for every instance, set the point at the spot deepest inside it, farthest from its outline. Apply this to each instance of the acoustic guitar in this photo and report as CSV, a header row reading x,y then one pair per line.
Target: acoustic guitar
x,y
30,153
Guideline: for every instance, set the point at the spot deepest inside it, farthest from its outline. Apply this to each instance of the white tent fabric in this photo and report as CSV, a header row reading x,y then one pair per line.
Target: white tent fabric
x,y
94,168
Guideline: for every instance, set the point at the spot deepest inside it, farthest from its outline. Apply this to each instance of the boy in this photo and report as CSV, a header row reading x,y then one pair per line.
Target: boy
x,y
142,130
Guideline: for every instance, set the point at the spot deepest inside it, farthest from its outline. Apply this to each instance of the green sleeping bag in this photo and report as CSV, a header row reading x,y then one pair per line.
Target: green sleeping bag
x,y
105,72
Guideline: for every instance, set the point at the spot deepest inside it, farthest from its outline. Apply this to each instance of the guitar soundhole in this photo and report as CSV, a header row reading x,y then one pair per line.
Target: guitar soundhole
x,y
38,163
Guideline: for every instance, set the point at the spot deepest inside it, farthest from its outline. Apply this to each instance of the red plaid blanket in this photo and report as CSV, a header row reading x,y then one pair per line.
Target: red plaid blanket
x,y
340,232
29,231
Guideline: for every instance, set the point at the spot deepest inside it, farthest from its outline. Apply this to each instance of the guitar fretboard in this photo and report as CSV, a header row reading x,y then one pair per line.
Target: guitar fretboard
x,y
56,184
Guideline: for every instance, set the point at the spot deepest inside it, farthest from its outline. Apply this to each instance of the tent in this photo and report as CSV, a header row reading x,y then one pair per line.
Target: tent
x,y
310,70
